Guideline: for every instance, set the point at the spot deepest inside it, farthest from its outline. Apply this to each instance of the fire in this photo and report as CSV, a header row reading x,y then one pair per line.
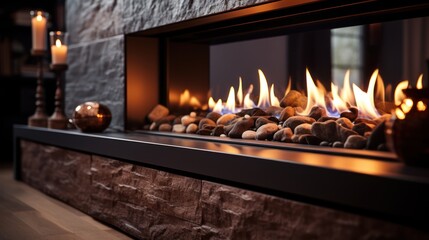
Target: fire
x,y
338,100
187,100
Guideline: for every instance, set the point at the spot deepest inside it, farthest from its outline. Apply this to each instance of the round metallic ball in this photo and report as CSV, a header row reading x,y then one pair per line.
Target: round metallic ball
x,y
91,117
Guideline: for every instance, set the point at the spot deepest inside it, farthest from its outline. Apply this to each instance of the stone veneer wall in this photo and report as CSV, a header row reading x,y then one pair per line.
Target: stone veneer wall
x,y
152,204
96,51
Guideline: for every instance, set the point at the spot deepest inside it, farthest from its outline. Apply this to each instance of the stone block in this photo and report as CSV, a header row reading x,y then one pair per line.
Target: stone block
x,y
88,21
61,173
96,73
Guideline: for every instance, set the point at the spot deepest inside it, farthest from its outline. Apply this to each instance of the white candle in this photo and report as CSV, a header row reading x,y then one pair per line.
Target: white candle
x,y
38,27
59,53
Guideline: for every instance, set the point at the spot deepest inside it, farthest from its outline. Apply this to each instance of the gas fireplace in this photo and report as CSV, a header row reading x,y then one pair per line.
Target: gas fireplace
x,y
308,75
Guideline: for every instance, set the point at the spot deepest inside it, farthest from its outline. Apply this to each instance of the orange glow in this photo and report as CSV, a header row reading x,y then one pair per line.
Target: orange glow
x,y
211,103
421,106
289,86
399,95
364,104
218,106
264,100
274,100
240,92
248,103
407,105
230,102
346,93
419,84
380,93
187,100
337,101
399,114
316,97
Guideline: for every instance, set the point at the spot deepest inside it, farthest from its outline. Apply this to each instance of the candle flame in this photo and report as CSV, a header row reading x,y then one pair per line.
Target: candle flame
x,y
420,82
240,92
58,43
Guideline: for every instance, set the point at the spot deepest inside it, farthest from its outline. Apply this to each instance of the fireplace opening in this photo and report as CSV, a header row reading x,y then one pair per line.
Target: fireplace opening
x,y
312,80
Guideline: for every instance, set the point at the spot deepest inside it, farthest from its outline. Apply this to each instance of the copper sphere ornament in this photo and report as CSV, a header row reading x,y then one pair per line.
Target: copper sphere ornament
x,y
91,117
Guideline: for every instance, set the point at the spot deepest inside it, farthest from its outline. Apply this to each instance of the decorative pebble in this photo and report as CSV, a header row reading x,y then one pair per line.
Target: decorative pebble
x,y
252,112
223,136
295,121
225,119
192,128
311,140
260,121
207,122
361,128
287,113
165,127
179,128
355,142
218,130
326,118
327,131
186,120
377,137
324,143
214,116
206,132
317,112
345,122
193,114
241,126
338,144
293,99
158,112
273,110
344,133
351,115
283,135
304,128
266,132
248,134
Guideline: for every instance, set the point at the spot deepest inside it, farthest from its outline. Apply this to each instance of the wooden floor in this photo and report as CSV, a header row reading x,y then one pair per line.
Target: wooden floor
x,y
26,213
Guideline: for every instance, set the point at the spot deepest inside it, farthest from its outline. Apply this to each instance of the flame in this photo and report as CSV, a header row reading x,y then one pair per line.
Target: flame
x,y
248,103
316,97
230,102
264,100
371,87
421,106
347,93
240,92
39,16
58,43
337,101
399,95
364,103
380,90
218,106
419,84
274,100
399,114
407,105
211,103
289,85
185,99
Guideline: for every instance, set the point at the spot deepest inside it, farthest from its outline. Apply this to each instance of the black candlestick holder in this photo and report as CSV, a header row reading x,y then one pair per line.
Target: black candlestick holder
x,y
58,119
39,118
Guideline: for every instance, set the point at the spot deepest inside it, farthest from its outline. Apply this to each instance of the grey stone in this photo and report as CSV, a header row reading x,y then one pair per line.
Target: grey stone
x,y
361,128
165,127
352,114
266,132
260,121
355,142
283,135
345,122
295,121
338,144
327,131
304,128
94,75
241,126
249,134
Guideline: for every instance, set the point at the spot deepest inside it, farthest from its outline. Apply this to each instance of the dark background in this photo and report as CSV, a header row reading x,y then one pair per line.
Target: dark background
x,y
18,68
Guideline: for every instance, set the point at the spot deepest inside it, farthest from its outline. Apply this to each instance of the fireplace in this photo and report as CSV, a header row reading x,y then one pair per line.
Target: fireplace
x,y
299,47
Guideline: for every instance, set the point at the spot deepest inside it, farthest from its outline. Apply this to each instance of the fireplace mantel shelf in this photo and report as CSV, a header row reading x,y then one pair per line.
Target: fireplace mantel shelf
x,y
382,188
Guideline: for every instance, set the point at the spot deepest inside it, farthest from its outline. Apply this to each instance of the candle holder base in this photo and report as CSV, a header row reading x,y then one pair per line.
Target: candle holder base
x,y
38,120
57,121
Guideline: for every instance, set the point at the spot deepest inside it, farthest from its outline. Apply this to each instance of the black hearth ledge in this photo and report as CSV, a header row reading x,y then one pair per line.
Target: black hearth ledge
x,y
384,189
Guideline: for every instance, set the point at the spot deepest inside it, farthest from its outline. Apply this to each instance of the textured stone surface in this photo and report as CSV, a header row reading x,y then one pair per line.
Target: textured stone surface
x,y
232,213
87,21
141,15
157,204
153,204
61,173
96,73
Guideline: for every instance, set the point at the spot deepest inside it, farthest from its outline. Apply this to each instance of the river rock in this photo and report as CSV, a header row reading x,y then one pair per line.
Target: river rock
x,y
213,116
344,133
165,127
361,128
252,112
377,137
206,132
326,131
274,110
260,121
179,128
283,135
364,120
207,122
295,121
226,118
241,126
286,113
294,99
352,114
266,132
326,118
325,143
248,134
317,112
309,139
158,112
218,130
345,122
186,120
192,128
338,144
355,142
227,128
304,128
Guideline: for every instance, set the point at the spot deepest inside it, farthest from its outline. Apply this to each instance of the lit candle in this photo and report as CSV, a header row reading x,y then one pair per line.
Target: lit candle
x,y
59,53
38,27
